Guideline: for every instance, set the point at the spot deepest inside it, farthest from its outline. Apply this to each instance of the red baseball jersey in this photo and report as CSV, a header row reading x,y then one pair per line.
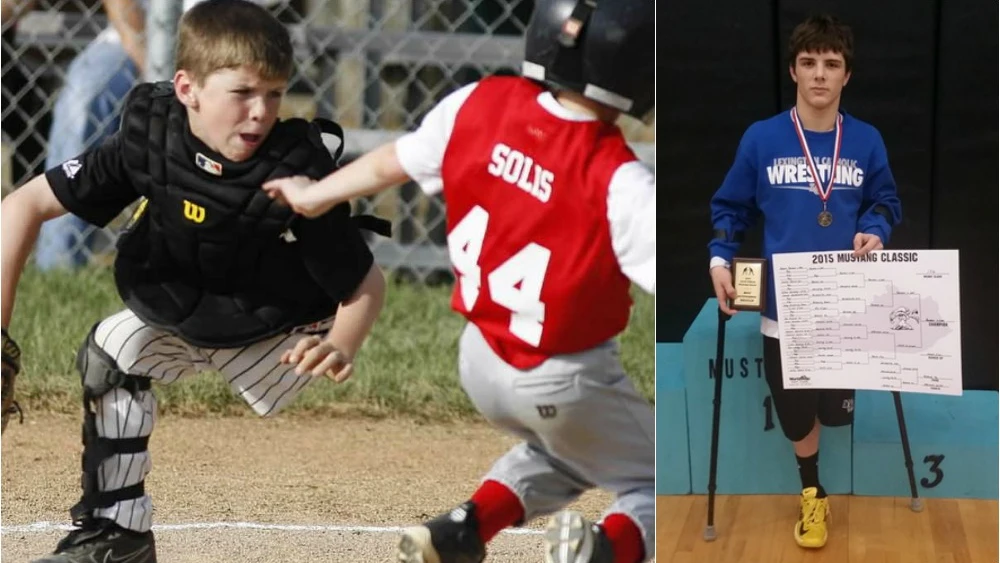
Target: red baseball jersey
x,y
526,196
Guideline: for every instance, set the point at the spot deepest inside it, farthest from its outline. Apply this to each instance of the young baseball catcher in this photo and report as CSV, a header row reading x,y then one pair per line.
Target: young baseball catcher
x,y
550,219
213,273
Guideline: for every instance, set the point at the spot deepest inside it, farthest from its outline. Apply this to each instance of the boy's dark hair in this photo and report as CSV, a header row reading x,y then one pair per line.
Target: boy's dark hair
x,y
821,33
220,34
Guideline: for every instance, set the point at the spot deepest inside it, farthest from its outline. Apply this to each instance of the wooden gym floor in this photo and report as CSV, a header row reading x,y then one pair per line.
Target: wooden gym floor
x,y
758,529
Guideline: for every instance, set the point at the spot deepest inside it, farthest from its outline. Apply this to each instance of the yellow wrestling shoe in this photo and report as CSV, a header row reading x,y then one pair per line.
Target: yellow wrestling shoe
x,y
810,530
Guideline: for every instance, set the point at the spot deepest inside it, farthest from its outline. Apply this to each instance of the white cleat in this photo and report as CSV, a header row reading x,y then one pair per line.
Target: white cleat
x,y
416,547
570,538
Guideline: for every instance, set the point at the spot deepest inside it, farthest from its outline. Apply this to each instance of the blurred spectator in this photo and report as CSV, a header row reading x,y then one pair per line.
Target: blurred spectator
x,y
86,112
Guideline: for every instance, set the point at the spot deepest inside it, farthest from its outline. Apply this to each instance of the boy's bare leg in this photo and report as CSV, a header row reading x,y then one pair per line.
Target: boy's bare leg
x,y
809,445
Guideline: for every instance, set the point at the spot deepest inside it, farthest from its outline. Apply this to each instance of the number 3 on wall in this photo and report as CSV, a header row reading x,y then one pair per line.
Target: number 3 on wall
x,y
515,285
935,468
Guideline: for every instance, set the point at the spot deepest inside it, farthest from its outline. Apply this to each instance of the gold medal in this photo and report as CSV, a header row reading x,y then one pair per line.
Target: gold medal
x,y
825,219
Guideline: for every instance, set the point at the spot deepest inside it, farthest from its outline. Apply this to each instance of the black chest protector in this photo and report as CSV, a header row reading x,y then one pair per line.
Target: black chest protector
x,y
208,256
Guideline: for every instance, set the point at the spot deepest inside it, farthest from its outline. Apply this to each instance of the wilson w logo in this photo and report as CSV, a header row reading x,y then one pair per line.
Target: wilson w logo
x,y
194,212
546,411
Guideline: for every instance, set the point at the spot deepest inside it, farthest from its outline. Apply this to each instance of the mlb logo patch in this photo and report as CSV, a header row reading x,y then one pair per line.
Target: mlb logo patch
x,y
208,165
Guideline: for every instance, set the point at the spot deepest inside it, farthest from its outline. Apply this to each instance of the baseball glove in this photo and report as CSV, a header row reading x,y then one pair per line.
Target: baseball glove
x,y
11,367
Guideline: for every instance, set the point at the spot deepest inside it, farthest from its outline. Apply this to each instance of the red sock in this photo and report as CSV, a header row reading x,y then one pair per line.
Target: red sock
x,y
497,507
626,539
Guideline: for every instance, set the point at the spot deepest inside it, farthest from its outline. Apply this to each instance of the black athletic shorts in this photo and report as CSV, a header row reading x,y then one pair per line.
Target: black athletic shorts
x,y
798,409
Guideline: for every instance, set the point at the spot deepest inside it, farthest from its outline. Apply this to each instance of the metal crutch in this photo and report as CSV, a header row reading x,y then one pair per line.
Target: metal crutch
x,y
716,410
916,504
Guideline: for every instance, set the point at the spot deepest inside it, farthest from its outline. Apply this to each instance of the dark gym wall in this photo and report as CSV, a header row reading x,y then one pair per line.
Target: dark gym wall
x,y
718,76
923,74
965,171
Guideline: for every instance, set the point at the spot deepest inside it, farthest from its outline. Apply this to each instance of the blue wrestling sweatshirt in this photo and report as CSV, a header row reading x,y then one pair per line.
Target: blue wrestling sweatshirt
x,y
770,178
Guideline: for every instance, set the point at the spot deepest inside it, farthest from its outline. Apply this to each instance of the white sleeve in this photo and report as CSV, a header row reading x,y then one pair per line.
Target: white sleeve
x,y
632,216
717,261
421,152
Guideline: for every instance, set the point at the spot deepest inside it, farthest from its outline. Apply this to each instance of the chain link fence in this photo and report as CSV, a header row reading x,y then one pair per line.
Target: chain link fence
x,y
374,66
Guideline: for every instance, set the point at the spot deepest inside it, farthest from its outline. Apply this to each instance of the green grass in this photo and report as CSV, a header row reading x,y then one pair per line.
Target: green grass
x,y
407,366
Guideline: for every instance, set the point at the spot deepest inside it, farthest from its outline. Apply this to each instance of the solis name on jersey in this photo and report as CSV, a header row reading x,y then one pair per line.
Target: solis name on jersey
x,y
518,169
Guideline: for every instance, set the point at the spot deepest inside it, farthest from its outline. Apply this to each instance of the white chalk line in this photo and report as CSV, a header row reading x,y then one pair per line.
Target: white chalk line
x,y
45,527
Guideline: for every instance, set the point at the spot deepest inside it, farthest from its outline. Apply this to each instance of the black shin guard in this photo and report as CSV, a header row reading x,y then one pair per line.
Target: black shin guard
x,y
100,375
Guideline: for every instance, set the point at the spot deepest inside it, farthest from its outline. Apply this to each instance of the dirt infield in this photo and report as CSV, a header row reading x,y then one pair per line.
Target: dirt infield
x,y
286,489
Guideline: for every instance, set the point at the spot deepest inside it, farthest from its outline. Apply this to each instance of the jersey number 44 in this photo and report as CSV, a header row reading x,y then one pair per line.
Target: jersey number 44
x,y
516,284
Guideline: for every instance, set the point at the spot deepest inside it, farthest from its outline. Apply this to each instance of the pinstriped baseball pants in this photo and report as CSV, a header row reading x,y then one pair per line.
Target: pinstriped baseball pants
x,y
254,372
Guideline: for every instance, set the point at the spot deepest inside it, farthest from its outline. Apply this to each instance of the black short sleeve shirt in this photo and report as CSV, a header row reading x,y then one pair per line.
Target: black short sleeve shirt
x,y
94,185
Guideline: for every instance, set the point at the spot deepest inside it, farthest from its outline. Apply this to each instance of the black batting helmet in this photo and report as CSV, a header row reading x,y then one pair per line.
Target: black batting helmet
x,y
603,49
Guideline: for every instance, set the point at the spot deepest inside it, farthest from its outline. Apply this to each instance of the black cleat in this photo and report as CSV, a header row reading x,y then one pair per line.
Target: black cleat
x,y
570,538
449,538
102,540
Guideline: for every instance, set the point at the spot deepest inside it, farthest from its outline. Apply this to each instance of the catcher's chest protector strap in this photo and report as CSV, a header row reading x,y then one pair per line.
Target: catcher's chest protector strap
x,y
100,375
374,224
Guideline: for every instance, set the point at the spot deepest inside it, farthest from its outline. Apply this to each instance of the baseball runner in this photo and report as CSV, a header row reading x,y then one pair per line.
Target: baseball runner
x,y
214,274
821,180
550,219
